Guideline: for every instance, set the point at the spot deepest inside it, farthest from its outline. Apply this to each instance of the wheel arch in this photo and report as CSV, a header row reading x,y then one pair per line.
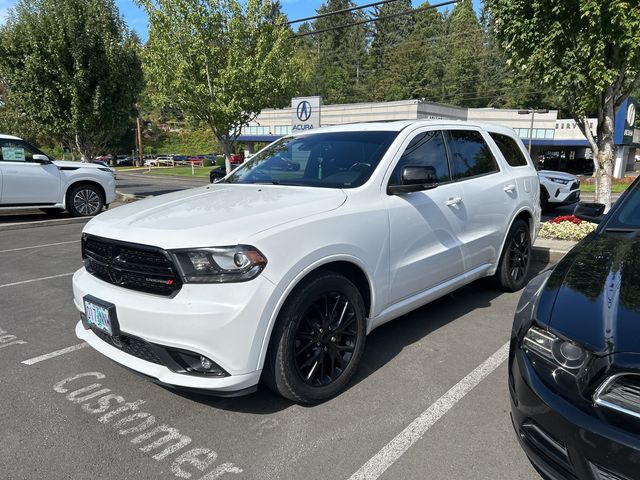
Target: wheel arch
x,y
349,266
523,214
93,183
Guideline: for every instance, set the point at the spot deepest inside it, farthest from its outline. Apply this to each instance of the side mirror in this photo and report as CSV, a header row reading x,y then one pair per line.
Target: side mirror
x,y
590,212
414,179
40,158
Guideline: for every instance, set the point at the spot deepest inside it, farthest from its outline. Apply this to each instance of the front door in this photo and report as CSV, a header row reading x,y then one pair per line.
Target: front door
x,y
25,181
425,226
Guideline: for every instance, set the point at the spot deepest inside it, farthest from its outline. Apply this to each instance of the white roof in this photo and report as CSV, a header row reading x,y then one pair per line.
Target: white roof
x,y
9,137
396,126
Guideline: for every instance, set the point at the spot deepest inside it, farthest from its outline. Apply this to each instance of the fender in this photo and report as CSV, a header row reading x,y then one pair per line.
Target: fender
x,y
282,297
532,227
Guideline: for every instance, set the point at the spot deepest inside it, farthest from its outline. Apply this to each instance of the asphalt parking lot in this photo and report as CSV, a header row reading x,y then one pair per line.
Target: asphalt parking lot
x,y
429,401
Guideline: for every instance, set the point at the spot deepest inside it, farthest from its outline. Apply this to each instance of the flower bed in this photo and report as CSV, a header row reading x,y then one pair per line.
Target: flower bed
x,y
567,227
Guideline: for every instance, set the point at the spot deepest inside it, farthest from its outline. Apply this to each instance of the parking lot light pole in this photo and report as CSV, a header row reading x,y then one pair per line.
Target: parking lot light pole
x,y
532,112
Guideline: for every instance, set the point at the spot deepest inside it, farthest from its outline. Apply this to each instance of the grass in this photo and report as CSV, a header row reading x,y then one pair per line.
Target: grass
x,y
615,188
202,172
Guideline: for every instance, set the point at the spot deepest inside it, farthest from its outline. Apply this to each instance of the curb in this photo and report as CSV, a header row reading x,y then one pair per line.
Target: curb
x,y
127,197
42,223
551,251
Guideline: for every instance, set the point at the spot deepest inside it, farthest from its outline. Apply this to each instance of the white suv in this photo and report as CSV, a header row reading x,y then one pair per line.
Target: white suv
x,y
278,274
30,179
558,189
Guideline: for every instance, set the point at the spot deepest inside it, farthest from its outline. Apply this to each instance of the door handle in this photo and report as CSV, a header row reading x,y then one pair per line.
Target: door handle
x,y
510,188
453,201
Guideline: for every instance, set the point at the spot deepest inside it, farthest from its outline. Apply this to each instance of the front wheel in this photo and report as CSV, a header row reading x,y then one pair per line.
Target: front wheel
x,y
515,261
318,339
84,201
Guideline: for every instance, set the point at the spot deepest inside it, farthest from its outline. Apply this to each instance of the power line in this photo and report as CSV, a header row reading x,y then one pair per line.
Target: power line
x,y
336,12
372,20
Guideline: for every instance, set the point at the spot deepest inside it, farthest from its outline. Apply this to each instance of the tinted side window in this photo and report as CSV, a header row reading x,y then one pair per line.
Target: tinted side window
x,y
510,150
426,149
470,155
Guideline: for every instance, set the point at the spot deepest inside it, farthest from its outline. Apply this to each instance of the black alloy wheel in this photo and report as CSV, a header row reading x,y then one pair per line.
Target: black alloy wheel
x,y
318,339
515,262
325,339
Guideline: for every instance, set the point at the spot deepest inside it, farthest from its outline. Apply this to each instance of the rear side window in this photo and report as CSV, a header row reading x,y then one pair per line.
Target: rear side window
x,y
470,154
425,150
510,150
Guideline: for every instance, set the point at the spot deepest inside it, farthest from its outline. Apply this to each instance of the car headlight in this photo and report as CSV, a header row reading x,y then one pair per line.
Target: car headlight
x,y
561,181
220,264
561,353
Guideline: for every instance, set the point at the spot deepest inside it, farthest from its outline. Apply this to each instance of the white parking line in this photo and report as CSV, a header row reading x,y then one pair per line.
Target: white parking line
x,y
36,280
38,246
393,450
57,353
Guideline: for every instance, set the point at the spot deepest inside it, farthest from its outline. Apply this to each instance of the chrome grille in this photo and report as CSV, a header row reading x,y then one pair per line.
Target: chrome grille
x,y
620,392
136,267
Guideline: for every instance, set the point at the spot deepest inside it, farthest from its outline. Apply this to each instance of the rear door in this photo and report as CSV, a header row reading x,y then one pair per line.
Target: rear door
x,y
426,226
490,195
25,181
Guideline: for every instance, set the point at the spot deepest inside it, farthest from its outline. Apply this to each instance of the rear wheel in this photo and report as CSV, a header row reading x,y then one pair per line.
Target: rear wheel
x,y
515,261
318,339
84,200
544,201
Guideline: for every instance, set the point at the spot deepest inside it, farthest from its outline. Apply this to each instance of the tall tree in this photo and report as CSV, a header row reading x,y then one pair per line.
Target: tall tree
x,y
466,50
341,53
71,68
218,61
587,51
415,67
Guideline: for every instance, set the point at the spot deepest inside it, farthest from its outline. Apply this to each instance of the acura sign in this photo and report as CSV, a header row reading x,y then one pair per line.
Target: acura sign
x,y
306,113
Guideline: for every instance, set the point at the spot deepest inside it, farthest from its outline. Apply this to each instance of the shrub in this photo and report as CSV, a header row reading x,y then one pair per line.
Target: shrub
x,y
567,227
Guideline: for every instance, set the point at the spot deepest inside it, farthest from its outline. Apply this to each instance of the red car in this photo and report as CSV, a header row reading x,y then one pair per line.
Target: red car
x,y
196,160
236,158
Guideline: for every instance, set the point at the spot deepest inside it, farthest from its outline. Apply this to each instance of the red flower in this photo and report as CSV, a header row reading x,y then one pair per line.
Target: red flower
x,y
566,218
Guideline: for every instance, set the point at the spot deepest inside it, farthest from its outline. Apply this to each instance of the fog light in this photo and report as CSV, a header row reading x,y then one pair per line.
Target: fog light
x,y
206,363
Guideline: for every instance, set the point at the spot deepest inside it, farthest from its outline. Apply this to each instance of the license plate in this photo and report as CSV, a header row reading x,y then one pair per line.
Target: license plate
x,y
100,316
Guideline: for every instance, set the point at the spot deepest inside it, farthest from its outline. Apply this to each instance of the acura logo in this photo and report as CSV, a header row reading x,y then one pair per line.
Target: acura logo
x,y
303,111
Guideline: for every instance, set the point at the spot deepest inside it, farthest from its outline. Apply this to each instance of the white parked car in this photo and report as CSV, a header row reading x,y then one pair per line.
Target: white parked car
x,y
30,179
278,275
558,189
158,161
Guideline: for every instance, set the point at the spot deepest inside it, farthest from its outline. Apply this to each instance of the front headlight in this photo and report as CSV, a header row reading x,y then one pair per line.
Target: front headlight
x,y
561,181
561,353
220,264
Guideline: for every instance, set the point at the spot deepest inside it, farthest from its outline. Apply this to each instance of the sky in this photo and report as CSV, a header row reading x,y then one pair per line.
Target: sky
x,y
137,19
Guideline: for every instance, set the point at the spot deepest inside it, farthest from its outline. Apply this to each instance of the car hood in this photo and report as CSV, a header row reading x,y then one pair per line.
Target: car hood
x,y
597,293
216,215
66,163
554,174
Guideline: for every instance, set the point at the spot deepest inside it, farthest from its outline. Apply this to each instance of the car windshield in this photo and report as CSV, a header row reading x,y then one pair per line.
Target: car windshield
x,y
331,160
627,217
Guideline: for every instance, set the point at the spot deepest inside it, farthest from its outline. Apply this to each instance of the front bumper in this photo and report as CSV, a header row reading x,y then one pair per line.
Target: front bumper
x,y
562,196
562,441
224,322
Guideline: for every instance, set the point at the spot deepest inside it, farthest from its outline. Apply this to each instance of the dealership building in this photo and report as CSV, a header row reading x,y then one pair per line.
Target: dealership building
x,y
558,140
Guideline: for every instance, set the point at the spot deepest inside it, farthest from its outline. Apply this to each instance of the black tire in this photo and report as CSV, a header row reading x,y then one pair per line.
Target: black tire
x,y
515,261
52,211
84,200
544,201
335,335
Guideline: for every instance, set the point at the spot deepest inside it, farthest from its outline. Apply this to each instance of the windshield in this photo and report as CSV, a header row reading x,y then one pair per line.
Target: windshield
x,y
333,160
628,215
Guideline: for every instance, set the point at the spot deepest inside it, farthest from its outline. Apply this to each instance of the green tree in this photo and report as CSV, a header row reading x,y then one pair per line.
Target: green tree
x,y
466,52
71,70
218,61
587,51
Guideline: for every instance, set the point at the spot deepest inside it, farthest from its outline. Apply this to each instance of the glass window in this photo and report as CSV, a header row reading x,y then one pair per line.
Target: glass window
x,y
330,160
283,129
550,133
425,150
628,215
15,151
510,150
470,155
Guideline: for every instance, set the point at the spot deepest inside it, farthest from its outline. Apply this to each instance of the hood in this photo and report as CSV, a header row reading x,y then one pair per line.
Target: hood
x,y
67,163
554,174
216,215
597,293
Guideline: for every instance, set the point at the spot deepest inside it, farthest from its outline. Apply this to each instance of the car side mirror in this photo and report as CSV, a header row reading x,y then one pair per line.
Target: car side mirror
x,y
590,212
40,158
414,179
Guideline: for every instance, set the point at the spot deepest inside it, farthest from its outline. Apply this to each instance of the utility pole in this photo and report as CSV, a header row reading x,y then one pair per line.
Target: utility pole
x,y
531,112
140,161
